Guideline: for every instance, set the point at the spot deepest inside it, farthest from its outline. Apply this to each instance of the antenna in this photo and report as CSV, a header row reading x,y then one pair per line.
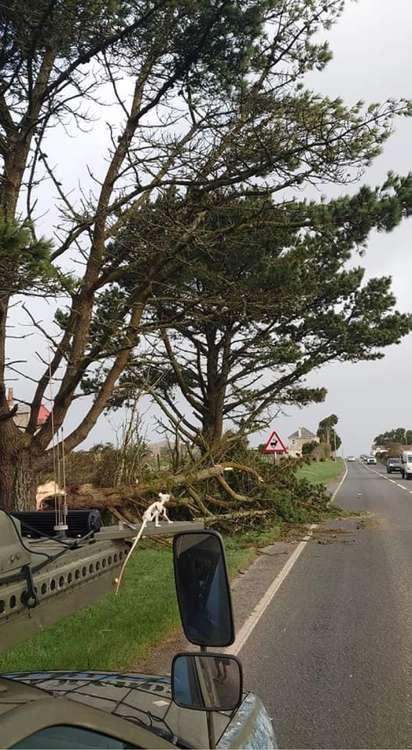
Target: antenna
x,y
59,466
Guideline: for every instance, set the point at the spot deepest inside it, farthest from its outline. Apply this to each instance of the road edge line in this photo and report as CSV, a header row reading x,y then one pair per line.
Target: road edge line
x,y
382,476
332,499
263,603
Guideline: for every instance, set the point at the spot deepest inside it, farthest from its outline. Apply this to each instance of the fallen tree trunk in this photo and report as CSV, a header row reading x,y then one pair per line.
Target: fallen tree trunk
x,y
105,497
230,496
238,515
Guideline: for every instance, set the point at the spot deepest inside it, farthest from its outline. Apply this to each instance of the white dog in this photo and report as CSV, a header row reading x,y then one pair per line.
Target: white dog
x,y
155,512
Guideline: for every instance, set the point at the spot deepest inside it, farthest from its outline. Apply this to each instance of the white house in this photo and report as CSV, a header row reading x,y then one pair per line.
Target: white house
x,y
299,438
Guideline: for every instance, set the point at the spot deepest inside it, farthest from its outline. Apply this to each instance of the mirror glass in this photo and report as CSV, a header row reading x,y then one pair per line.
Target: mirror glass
x,y
203,589
206,682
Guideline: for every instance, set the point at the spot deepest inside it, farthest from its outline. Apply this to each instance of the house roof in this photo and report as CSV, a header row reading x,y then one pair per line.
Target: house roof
x,y
23,414
302,432
43,415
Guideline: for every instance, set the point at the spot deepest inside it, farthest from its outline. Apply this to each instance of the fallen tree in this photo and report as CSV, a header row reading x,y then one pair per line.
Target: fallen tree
x,y
104,496
229,494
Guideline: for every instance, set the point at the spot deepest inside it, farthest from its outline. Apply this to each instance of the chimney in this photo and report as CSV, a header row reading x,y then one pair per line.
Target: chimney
x,y
300,432
10,396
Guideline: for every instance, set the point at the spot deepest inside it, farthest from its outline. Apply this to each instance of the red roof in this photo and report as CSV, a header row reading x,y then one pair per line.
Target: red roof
x,y
43,414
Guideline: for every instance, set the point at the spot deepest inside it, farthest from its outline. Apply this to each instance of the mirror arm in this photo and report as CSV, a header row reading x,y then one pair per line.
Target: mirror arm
x,y
211,730
209,717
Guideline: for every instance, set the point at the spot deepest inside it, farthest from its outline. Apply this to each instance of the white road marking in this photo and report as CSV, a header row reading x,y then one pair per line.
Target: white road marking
x,y
340,484
382,476
378,473
256,614
254,617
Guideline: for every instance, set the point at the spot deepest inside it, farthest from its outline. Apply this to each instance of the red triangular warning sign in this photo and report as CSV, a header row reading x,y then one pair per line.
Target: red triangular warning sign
x,y
275,444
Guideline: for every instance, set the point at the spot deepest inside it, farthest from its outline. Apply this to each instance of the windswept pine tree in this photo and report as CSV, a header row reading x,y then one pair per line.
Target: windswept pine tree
x,y
210,105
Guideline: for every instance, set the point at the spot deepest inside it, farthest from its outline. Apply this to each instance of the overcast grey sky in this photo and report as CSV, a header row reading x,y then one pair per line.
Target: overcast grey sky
x,y
372,61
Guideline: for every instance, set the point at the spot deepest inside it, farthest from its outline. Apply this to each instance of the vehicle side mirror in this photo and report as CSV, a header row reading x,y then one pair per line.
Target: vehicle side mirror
x,y
202,588
206,682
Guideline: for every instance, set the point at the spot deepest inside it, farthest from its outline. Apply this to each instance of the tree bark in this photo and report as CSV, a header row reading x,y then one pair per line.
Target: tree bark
x,y
25,481
19,465
9,449
212,427
212,422
18,474
6,482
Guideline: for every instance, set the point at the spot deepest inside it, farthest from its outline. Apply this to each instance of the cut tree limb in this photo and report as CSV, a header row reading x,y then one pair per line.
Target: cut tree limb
x,y
238,515
227,488
104,497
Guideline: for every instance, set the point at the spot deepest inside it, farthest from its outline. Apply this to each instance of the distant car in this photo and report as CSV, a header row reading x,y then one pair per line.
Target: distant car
x,y
394,464
363,457
371,460
351,458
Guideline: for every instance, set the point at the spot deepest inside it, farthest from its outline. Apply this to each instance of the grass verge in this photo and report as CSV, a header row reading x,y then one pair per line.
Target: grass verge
x,y
121,630
321,472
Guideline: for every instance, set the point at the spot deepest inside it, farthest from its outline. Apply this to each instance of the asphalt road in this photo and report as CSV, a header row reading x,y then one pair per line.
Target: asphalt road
x,y
332,655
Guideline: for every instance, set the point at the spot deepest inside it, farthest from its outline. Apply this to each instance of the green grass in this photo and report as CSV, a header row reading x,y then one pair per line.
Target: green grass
x,y
110,634
321,471
121,630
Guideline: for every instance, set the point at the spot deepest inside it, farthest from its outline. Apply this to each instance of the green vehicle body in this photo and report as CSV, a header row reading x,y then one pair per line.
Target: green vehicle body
x,y
90,709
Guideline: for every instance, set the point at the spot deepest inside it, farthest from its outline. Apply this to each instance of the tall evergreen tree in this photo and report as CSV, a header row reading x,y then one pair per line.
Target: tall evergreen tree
x,y
327,433
215,104
266,299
